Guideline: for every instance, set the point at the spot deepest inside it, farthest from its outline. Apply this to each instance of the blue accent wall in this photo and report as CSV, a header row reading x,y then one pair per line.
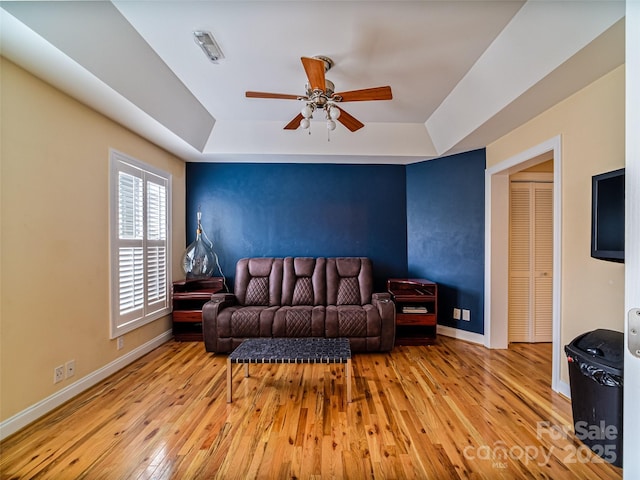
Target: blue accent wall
x,y
445,233
318,210
424,220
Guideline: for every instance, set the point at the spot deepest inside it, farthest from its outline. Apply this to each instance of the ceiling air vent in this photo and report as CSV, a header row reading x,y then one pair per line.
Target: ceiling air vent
x,y
208,45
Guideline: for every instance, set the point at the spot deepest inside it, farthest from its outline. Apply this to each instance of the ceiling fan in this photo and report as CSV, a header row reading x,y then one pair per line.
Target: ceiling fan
x,y
320,95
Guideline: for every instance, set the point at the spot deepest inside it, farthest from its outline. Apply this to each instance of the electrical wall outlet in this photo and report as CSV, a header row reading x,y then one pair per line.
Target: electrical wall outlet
x,y
58,374
456,314
70,368
466,315
120,343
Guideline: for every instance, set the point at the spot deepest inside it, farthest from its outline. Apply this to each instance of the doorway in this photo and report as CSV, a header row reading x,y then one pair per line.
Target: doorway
x,y
496,312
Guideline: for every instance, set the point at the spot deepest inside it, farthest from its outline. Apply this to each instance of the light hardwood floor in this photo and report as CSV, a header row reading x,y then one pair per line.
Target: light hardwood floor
x,y
447,411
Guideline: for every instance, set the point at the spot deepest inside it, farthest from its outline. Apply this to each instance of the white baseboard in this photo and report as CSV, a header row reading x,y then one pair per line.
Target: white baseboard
x,y
460,334
564,389
29,415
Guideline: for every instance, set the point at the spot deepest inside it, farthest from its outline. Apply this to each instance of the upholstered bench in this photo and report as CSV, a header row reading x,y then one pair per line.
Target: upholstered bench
x,y
290,350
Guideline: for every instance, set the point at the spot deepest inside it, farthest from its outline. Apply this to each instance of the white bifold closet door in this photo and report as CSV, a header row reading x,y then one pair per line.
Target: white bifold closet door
x,y
531,262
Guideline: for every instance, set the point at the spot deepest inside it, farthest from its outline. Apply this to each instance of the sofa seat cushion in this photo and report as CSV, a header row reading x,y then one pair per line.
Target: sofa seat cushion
x,y
299,321
239,322
352,321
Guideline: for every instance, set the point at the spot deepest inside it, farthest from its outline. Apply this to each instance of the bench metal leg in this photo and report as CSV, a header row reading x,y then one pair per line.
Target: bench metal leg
x,y
229,387
348,373
348,368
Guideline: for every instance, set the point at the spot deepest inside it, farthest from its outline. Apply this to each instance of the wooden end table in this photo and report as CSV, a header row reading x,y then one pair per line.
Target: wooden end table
x,y
416,301
188,297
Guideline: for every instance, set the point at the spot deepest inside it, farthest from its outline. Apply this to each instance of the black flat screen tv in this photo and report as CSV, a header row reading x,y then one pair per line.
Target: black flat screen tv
x,y
607,216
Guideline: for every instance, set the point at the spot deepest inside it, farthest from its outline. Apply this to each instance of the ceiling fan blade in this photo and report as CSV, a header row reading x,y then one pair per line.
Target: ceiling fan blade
x,y
283,96
295,123
349,121
376,93
315,72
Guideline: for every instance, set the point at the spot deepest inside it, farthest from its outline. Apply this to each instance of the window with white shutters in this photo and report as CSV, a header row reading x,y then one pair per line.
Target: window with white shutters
x,y
140,249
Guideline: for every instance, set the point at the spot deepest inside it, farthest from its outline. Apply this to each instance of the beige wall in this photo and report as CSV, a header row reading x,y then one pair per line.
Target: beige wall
x,y
544,167
591,124
54,240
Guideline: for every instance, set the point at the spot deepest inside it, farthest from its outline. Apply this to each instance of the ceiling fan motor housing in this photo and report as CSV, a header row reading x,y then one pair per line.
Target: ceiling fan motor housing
x,y
328,91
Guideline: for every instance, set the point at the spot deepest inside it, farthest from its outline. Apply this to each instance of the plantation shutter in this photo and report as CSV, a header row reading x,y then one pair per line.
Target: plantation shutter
x,y
130,250
156,244
140,290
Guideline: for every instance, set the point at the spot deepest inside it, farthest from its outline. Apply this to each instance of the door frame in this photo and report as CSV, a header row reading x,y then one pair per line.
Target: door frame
x,y
496,298
631,415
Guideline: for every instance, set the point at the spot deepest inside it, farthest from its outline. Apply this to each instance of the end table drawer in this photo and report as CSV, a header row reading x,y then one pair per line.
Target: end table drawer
x,y
187,316
416,319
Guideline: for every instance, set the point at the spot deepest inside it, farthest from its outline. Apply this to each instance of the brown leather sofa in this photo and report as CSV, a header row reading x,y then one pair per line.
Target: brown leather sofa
x,y
301,297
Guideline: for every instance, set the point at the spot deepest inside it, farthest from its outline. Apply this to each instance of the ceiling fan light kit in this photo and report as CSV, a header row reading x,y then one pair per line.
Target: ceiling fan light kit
x,y
320,96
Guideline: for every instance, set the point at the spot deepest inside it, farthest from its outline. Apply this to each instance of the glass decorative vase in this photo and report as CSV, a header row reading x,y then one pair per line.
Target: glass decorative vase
x,y
198,260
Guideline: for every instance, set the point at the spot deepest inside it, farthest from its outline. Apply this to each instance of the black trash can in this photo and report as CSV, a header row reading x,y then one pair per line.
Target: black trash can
x,y
596,364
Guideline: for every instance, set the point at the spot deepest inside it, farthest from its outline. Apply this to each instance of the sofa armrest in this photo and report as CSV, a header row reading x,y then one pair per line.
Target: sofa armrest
x,y
387,309
382,296
226,298
210,311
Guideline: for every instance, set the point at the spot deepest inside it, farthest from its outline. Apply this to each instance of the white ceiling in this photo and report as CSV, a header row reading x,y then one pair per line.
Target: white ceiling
x,y
463,73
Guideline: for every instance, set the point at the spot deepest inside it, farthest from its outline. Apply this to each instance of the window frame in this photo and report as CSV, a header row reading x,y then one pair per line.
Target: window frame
x,y
150,310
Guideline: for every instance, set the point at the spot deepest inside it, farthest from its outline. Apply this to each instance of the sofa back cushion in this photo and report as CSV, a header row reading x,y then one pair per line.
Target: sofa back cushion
x,y
349,281
304,281
258,281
